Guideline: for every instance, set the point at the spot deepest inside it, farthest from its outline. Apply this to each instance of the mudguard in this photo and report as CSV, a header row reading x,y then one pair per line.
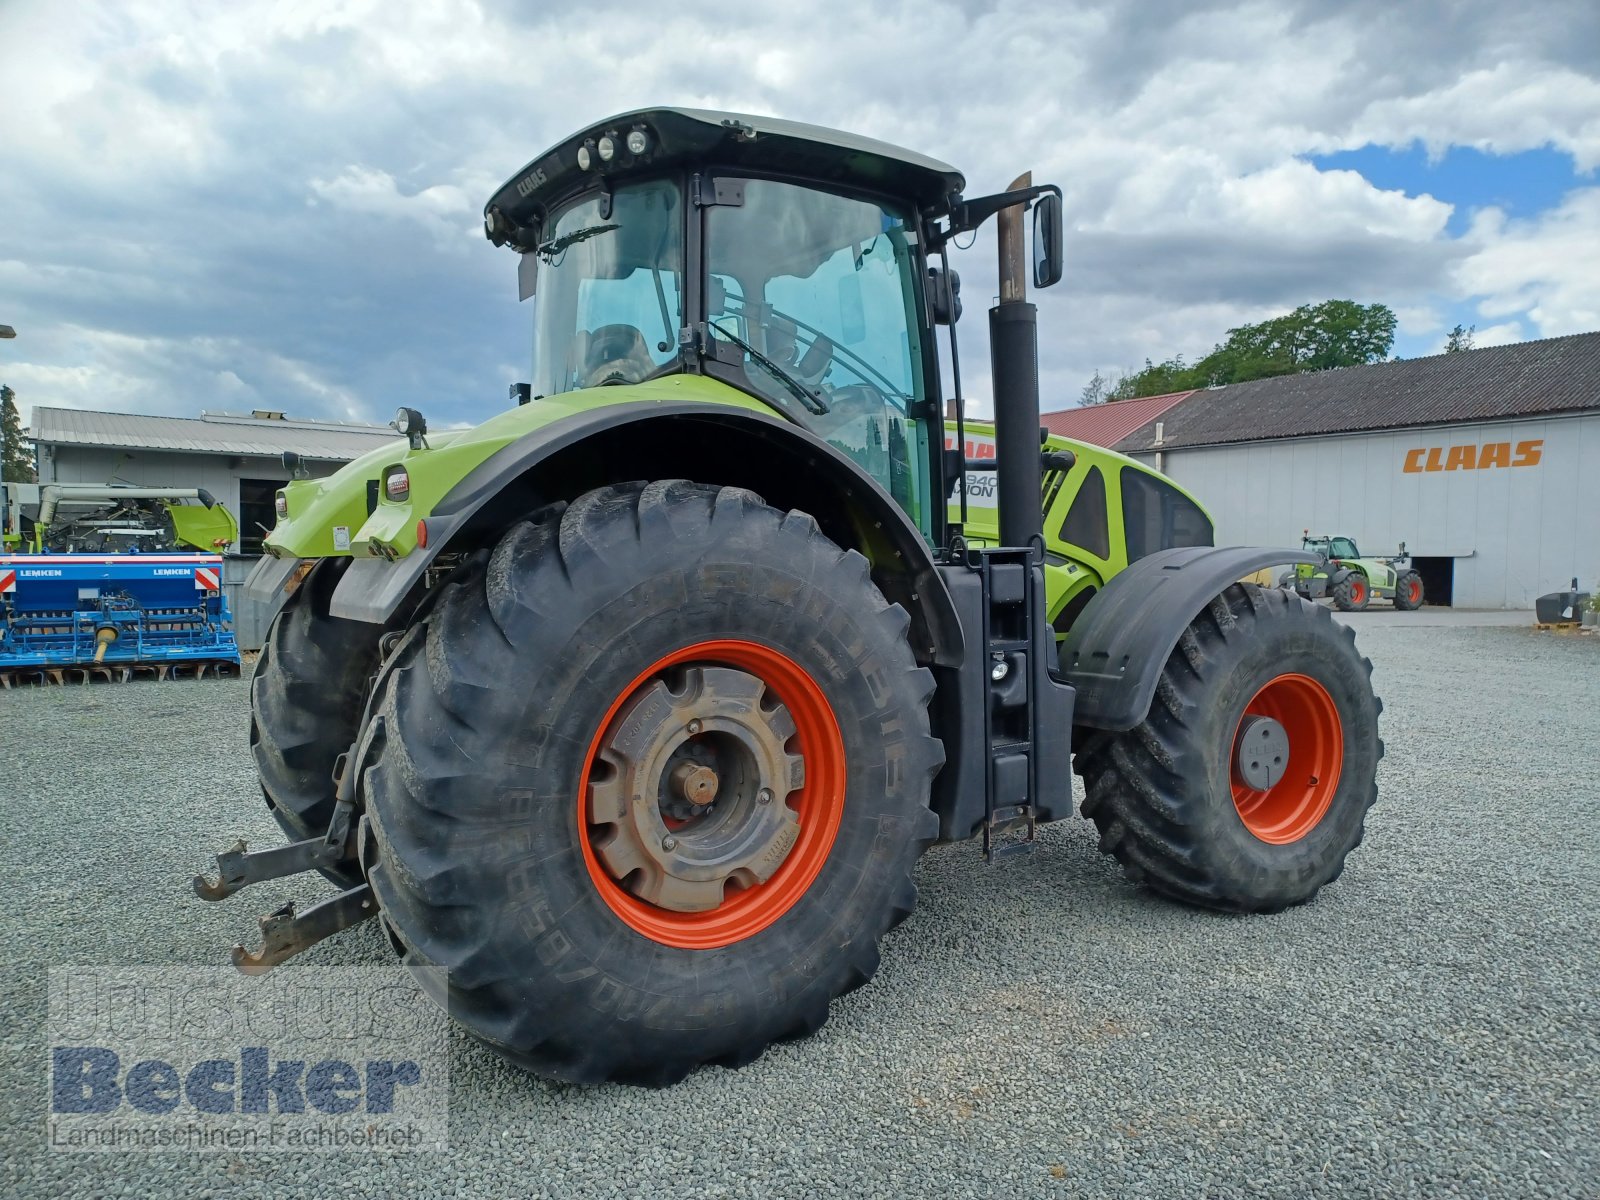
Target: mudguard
x,y
268,587
372,589
1117,648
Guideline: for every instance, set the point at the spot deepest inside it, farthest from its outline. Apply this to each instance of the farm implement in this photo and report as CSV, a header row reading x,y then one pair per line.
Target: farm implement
x,y
151,607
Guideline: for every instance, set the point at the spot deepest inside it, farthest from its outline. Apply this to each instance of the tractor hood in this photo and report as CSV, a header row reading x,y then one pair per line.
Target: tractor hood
x,y
353,512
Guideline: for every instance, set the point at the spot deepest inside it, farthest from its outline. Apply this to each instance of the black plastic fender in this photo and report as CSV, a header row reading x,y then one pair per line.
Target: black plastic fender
x,y
1116,649
268,587
783,462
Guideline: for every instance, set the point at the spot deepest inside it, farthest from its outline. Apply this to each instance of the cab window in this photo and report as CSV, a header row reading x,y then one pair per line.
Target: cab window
x,y
608,303
1086,524
1157,516
812,297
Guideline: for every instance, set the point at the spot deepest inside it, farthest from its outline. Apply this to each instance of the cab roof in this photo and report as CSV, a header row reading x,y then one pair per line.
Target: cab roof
x,y
679,136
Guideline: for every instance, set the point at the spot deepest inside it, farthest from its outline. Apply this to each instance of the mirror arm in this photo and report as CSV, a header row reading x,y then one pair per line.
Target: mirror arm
x,y
967,215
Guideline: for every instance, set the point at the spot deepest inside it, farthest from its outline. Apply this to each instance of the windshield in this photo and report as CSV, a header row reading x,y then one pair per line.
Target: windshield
x,y
1344,548
821,286
609,303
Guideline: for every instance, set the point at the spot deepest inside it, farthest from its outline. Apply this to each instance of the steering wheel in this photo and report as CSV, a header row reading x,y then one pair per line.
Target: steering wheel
x,y
869,376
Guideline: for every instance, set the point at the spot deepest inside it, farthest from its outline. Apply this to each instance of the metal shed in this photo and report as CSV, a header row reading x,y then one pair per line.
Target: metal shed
x,y
1486,463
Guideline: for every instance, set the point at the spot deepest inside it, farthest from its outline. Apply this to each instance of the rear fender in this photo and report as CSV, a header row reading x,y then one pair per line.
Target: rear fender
x,y
1117,648
787,466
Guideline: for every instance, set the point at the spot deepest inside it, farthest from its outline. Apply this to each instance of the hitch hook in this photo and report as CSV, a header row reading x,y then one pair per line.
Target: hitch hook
x,y
238,867
285,933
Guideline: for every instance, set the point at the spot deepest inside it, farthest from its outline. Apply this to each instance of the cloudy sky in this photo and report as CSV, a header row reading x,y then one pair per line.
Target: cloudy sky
x,y
278,204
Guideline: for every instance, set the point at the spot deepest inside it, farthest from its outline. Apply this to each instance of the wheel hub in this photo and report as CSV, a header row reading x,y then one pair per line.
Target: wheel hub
x,y
690,787
1261,753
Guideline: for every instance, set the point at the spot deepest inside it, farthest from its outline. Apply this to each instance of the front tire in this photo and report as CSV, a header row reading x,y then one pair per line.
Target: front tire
x,y
306,699
1351,594
1408,591
1183,801
650,785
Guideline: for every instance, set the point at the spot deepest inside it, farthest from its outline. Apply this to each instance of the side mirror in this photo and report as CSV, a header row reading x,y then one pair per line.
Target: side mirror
x,y
944,296
1047,250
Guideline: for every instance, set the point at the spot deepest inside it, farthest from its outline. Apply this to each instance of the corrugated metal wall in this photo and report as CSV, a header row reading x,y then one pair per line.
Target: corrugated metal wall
x,y
218,474
1515,532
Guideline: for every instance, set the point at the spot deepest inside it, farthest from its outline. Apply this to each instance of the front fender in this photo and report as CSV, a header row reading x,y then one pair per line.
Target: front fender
x,y
712,444
1117,648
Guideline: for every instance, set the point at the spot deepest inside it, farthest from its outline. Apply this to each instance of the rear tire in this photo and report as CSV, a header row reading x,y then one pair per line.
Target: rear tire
x,y
306,700
1166,796
1408,591
495,820
1352,594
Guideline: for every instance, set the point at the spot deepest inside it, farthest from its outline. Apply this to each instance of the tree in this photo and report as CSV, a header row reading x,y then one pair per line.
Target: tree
x,y
1314,337
1154,379
1460,339
1096,391
16,462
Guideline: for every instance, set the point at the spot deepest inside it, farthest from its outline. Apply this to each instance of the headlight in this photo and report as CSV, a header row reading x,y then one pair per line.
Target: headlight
x,y
585,159
280,505
409,422
638,141
607,148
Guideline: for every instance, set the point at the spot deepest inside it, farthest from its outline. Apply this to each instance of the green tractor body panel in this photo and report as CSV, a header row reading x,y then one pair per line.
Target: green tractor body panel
x,y
203,528
329,517
1089,536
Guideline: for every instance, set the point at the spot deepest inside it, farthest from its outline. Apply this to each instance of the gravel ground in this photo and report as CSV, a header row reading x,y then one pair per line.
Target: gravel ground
x,y
1427,1027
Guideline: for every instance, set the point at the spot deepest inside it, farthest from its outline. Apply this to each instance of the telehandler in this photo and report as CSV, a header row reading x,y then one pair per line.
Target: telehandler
x,y
633,708
1340,571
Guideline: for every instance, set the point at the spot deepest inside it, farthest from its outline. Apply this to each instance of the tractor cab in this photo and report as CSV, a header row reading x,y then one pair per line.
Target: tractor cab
x,y
1337,548
785,261
676,241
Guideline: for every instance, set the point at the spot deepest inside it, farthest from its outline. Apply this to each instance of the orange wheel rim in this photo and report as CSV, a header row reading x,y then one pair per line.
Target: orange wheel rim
x,y
1292,807
1413,591
818,804
1358,591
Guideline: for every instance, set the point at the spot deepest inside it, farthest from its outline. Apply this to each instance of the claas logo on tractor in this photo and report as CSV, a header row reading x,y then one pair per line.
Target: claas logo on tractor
x,y
635,706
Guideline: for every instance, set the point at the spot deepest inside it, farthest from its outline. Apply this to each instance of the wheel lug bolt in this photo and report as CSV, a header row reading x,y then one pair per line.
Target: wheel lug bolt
x,y
669,842
695,726
764,796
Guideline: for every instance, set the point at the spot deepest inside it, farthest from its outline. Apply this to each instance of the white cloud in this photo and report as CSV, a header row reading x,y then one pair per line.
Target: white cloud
x,y
1417,320
280,201
1499,335
447,212
1502,110
1547,266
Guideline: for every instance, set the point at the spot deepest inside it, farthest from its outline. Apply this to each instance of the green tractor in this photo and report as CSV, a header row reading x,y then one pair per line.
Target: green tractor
x,y
633,708
1100,511
1351,580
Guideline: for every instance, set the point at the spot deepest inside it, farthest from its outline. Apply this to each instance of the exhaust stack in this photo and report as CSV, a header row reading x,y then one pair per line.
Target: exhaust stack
x,y
1014,368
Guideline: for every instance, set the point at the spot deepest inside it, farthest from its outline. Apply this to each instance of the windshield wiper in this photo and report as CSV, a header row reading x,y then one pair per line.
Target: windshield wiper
x,y
811,401
556,245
